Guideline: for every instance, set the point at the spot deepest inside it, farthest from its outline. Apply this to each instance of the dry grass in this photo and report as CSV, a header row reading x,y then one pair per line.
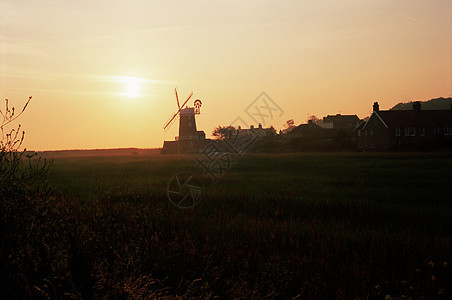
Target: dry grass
x,y
296,225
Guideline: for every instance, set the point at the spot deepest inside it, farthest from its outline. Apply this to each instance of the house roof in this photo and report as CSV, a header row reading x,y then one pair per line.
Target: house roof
x,y
341,118
303,127
412,118
256,131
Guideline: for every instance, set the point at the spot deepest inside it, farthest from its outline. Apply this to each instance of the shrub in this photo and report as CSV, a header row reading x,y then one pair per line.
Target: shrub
x,y
27,225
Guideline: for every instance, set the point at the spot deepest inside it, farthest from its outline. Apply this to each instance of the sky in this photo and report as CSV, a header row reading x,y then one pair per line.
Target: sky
x,y
102,73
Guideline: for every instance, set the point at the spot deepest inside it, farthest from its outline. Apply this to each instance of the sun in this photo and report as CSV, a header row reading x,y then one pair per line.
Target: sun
x,y
132,86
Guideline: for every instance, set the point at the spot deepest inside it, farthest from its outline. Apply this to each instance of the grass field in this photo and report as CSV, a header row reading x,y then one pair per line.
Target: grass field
x,y
316,226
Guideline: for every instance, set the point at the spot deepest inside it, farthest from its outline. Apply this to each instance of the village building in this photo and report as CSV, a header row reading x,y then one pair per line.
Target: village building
x,y
347,123
310,130
390,129
255,131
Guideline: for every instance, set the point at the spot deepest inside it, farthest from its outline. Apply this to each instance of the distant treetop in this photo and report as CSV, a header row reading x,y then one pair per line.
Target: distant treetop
x,y
433,104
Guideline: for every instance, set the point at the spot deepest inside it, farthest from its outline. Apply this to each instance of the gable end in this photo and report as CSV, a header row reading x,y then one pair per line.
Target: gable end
x,y
378,117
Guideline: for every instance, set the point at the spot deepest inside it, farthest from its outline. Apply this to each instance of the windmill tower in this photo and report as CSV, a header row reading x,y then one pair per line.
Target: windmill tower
x,y
188,133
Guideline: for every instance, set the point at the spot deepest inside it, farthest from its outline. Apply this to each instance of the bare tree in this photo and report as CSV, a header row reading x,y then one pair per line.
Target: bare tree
x,y
18,169
11,141
29,212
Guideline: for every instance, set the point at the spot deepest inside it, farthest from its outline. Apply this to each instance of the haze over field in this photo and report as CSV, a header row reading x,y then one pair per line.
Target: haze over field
x,y
102,73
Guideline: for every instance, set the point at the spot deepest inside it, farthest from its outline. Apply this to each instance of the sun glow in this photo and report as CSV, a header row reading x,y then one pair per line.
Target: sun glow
x,y
132,86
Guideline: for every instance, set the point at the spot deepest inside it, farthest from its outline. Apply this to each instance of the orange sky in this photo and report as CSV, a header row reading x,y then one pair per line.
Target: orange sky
x,y
311,57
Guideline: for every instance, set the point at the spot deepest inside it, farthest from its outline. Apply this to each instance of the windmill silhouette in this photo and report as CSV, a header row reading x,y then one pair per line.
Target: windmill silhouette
x,y
187,125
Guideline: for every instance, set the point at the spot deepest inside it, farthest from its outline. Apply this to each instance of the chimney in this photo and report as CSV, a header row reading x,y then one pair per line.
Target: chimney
x,y
251,126
376,106
309,121
260,126
417,105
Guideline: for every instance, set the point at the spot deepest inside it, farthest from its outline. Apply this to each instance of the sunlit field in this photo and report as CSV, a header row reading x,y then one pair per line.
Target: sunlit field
x,y
316,226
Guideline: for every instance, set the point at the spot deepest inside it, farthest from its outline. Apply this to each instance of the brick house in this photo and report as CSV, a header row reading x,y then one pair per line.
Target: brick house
x,y
389,129
255,131
345,122
310,130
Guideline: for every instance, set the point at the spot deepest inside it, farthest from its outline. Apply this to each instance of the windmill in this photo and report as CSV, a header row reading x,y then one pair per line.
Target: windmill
x,y
175,115
186,116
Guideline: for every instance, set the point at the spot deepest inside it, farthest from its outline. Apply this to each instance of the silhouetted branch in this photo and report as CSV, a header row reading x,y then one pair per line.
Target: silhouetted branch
x,y
18,169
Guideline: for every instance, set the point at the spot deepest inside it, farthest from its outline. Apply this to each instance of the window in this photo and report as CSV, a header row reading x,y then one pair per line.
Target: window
x,y
407,131
371,132
365,132
446,131
397,131
421,131
412,131
359,132
436,131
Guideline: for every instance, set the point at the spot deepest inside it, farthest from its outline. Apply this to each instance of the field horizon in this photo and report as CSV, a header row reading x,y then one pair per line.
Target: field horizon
x,y
99,152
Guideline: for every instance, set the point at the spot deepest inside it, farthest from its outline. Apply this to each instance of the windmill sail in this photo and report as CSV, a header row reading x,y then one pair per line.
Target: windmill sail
x,y
191,94
171,120
177,98
176,114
